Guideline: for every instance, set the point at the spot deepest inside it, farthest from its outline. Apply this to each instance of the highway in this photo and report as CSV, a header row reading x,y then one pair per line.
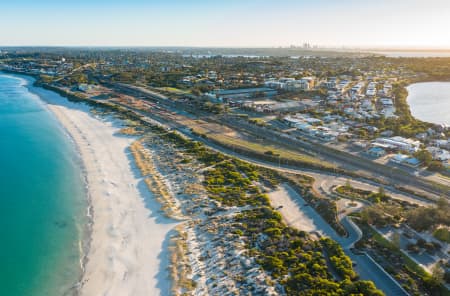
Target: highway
x,y
324,181
347,161
365,266
344,159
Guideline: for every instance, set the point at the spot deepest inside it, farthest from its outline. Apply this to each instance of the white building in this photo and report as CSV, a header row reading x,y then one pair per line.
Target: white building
x,y
400,143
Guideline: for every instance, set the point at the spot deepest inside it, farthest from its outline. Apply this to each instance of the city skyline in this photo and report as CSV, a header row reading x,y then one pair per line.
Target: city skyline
x,y
200,23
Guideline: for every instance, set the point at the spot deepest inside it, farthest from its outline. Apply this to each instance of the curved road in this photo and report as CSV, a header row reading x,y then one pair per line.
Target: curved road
x,y
365,266
324,181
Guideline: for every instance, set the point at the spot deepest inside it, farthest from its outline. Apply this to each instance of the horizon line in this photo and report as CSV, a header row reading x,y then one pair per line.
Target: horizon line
x,y
293,46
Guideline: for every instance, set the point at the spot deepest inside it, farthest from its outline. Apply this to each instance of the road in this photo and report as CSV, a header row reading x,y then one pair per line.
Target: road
x,y
365,266
350,162
298,214
345,160
359,152
324,181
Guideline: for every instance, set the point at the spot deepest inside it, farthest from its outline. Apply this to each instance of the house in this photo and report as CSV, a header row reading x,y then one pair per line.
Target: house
x,y
405,160
84,87
422,136
297,85
367,105
386,133
439,154
290,84
412,161
376,151
309,80
371,129
386,102
292,121
399,158
357,88
401,143
325,134
304,127
442,144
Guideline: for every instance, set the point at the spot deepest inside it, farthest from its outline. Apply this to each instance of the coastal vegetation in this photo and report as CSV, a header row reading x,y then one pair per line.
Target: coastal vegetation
x,y
289,255
391,212
434,68
230,191
433,219
295,260
248,147
179,266
413,278
154,180
428,218
351,192
227,196
231,184
442,234
274,153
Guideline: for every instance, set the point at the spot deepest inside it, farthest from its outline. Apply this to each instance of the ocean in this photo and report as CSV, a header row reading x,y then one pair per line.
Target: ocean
x,y
42,197
414,54
430,101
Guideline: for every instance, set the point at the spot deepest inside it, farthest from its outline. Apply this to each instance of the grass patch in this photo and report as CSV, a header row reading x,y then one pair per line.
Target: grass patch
x,y
174,90
442,234
284,154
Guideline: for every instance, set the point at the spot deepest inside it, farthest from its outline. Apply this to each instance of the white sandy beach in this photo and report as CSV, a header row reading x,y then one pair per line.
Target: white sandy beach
x,y
127,254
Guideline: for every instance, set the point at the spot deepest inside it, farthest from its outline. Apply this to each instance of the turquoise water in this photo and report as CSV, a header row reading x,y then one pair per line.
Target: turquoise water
x,y
42,197
430,101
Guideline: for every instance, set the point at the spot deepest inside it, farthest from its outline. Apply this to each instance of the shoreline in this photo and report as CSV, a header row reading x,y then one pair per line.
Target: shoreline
x,y
100,272
408,99
86,237
58,110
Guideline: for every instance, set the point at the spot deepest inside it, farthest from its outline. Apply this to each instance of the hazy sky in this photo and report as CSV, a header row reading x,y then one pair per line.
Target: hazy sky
x,y
403,23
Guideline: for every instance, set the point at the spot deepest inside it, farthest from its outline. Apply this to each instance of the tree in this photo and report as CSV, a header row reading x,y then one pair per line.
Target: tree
x,y
437,274
347,184
361,288
443,204
429,247
196,92
431,284
421,242
436,166
424,156
381,191
396,239
447,277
